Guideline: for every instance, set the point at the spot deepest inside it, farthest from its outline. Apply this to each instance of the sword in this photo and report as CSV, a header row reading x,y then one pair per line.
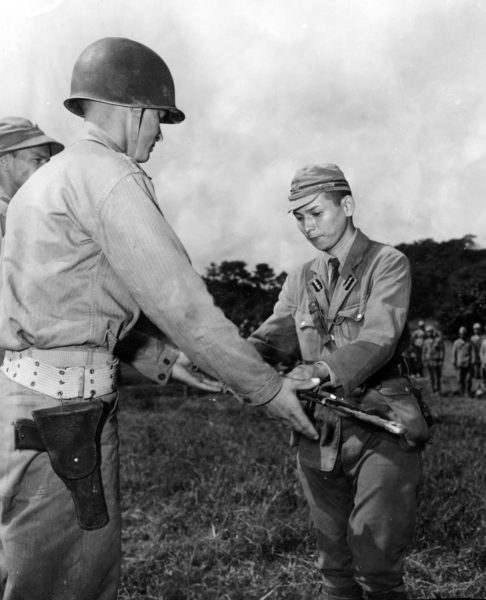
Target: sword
x,y
332,401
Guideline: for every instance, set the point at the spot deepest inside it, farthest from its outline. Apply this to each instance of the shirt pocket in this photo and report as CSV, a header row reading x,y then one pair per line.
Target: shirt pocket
x,y
308,336
348,322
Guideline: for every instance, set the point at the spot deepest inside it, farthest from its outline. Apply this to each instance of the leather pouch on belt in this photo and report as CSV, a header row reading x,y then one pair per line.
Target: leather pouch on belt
x,y
398,404
71,436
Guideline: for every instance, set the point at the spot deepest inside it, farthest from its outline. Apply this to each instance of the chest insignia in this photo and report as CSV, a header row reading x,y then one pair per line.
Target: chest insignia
x,y
317,284
350,281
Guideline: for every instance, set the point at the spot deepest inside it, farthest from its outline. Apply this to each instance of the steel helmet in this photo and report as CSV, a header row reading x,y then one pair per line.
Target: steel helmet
x,y
126,73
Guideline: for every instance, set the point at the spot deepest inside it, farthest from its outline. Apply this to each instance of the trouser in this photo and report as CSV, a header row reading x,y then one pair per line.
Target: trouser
x,y
465,380
364,514
435,376
44,554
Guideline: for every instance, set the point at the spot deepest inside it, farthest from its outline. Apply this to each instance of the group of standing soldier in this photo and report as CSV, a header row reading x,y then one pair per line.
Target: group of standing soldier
x,y
468,357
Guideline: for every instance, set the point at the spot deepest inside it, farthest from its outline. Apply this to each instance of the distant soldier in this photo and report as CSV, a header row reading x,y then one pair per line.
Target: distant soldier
x,y
462,359
417,340
482,358
476,340
433,353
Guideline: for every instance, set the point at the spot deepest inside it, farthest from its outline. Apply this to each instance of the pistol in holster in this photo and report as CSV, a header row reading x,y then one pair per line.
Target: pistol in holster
x,y
71,436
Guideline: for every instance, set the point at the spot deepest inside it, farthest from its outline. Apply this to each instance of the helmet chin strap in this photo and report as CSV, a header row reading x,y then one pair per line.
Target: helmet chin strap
x,y
136,114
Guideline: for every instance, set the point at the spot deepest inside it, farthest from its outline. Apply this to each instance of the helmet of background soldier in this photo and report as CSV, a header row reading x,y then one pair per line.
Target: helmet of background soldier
x,y
17,133
120,71
477,326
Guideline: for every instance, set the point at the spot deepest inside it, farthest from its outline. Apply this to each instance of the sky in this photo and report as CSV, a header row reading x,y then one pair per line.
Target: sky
x,y
393,91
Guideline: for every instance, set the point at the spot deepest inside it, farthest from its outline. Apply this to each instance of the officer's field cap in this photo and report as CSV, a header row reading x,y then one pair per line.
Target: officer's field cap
x,y
311,180
17,133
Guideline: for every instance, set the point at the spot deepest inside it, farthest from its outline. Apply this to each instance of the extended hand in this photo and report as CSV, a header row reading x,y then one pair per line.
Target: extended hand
x,y
183,371
286,406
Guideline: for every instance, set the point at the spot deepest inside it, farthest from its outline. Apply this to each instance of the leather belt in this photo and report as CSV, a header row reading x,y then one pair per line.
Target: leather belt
x,y
86,381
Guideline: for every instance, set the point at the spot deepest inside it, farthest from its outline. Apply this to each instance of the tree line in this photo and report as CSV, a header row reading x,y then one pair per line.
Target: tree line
x,y
449,285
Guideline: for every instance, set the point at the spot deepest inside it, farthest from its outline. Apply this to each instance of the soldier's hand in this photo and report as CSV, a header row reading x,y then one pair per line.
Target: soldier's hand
x,y
183,370
318,369
286,406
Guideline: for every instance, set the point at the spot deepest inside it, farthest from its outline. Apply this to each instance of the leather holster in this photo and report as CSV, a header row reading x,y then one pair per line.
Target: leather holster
x,y
70,434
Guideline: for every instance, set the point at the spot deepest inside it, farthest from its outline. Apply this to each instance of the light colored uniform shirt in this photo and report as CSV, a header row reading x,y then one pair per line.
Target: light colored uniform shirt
x,y
96,249
3,213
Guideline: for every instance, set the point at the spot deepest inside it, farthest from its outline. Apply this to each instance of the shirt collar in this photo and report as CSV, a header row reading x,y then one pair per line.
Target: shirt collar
x,y
93,132
343,252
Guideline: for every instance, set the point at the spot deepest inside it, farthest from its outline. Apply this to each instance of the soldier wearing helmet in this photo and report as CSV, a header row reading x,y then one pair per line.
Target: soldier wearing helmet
x,y
101,251
23,149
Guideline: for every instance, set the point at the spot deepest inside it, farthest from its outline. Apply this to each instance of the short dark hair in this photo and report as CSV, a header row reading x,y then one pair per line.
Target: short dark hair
x,y
336,195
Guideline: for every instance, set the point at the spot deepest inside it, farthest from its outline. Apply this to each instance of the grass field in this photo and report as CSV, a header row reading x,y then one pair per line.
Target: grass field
x,y
213,510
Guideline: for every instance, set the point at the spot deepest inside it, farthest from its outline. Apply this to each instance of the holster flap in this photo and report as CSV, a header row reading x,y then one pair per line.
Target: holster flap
x,y
69,433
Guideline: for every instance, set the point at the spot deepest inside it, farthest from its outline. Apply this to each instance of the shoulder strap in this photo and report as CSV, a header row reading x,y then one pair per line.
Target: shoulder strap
x,y
314,286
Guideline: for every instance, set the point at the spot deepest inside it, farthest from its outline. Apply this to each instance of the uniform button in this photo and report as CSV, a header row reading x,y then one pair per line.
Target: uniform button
x,y
32,383
91,380
35,372
166,361
61,372
59,394
359,317
332,338
247,400
61,382
37,363
92,393
161,376
91,371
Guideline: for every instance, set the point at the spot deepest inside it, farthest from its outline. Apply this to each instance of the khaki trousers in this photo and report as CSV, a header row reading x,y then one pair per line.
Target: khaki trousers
x,y
364,513
44,554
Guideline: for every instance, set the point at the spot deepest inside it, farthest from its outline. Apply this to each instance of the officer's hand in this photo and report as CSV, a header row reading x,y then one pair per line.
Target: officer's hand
x,y
183,370
286,406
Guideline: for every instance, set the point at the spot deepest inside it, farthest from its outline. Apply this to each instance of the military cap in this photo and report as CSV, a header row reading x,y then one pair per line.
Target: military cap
x,y
17,133
311,180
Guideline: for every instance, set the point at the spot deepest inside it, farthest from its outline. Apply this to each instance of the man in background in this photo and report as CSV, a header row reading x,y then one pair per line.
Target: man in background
x,y
476,340
23,149
433,352
416,343
462,360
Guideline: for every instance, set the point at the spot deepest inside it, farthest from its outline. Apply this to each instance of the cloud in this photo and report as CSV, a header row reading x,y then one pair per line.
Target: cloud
x,y
391,91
